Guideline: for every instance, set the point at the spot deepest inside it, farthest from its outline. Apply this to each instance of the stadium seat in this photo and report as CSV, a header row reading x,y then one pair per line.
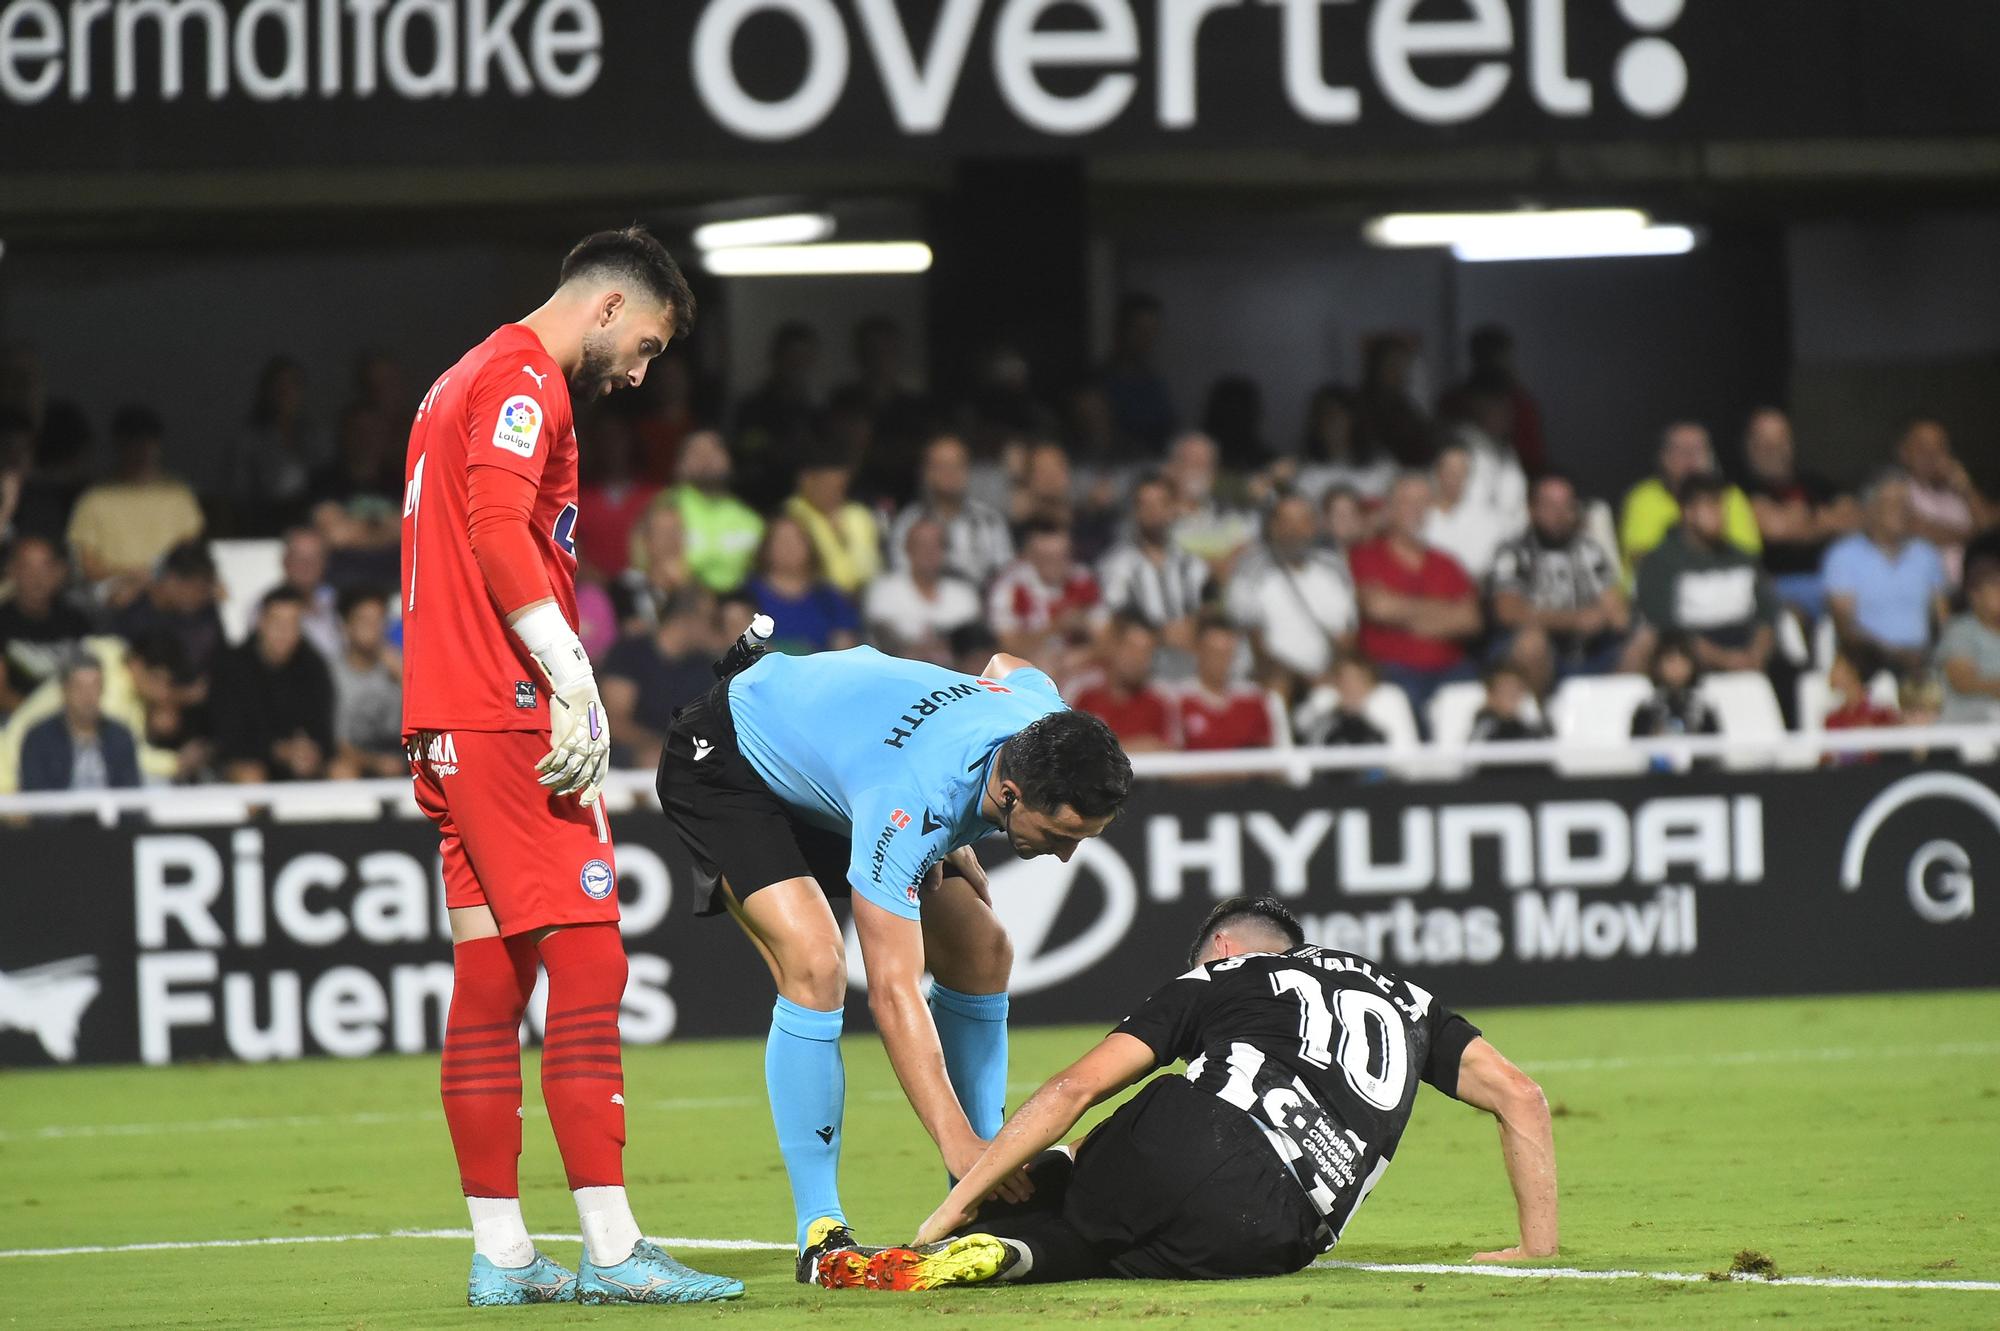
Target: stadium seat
x,y
1747,709
1595,711
1388,707
246,570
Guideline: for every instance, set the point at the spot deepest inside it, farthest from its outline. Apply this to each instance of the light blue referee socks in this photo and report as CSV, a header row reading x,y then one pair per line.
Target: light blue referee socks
x,y
807,1084
972,1028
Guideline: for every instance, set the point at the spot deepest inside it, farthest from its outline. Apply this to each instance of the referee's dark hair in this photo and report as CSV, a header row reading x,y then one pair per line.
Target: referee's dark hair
x,y
1268,912
633,254
1068,757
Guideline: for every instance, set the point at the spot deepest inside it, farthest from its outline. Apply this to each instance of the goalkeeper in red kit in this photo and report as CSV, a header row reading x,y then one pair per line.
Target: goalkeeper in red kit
x,y
509,747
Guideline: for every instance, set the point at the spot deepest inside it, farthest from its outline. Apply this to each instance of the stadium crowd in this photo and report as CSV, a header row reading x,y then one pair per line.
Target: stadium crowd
x,y
1191,581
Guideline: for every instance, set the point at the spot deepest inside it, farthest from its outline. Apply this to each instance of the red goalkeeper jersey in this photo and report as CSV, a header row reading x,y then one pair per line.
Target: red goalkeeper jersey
x,y
505,404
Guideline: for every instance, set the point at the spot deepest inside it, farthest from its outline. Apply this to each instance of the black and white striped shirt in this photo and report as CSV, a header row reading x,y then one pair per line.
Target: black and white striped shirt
x,y
977,544
1158,593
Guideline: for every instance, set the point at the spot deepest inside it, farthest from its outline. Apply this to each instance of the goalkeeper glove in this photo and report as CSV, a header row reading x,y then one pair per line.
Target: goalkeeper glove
x,y
579,753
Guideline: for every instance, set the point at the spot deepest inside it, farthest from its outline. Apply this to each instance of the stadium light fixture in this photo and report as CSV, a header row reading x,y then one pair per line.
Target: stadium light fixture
x,y
1651,240
1544,226
780,229
850,259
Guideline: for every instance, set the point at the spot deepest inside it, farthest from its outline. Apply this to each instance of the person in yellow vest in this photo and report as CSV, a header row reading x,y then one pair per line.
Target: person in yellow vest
x,y
1651,510
843,533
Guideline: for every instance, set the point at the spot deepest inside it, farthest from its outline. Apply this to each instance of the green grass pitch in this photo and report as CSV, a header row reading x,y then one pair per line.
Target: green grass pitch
x,y
1842,1137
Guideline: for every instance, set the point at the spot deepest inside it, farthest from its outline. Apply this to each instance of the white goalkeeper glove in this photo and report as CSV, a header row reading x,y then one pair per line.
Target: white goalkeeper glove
x,y
579,735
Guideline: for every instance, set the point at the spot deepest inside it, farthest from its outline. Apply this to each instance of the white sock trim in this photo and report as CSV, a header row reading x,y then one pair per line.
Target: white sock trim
x,y
498,1232
609,1231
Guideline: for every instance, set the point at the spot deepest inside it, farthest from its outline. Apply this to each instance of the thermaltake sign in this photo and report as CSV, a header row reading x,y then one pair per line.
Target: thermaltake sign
x,y
165,83
282,941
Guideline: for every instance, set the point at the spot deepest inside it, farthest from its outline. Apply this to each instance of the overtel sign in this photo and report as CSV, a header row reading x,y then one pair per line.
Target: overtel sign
x,y
177,84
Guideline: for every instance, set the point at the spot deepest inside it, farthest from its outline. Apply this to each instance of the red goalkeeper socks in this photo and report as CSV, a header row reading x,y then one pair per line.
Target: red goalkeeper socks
x,y
481,1074
583,1080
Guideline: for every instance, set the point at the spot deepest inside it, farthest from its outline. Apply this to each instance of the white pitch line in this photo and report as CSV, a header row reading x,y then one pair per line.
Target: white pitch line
x,y
1834,1054
712,1245
1673,1277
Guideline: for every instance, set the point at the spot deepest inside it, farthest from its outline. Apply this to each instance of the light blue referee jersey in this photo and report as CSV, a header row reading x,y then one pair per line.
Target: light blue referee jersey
x,y
894,753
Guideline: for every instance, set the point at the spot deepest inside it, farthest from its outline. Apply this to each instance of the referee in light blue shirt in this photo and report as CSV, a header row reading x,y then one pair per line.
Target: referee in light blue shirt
x,y
855,774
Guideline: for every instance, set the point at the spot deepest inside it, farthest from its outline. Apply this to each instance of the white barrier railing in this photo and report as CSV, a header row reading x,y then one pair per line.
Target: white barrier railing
x,y
364,800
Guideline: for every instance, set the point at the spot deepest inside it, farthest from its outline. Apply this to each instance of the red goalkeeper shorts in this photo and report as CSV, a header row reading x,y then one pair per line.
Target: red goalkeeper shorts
x,y
534,858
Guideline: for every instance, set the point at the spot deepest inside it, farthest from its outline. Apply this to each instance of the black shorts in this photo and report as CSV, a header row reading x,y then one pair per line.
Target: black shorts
x,y
730,821
1177,1185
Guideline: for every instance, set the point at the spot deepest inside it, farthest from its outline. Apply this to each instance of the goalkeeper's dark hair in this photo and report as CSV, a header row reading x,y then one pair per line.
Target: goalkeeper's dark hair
x,y
1268,912
633,254
1068,757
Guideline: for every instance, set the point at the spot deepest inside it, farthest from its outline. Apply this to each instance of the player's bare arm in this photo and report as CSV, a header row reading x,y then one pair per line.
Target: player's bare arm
x,y
892,949
1116,1062
1488,1081
1004,664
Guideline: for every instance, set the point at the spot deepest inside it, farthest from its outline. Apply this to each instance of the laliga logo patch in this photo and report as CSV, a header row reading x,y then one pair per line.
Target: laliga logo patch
x,y
519,425
597,880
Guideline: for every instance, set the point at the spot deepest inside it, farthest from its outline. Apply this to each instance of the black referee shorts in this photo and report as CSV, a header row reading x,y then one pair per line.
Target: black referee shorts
x,y
1177,1185
733,826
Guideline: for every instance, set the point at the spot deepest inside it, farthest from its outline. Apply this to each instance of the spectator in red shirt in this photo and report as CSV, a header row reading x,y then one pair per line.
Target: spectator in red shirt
x,y
1124,696
1418,607
613,500
1854,709
1044,599
1217,710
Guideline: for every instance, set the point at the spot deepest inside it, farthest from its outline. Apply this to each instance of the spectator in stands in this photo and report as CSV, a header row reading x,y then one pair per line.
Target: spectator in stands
x,y
122,526
303,567
1217,709
1045,600
173,700
1418,607
1207,526
1045,492
775,423
972,646
1798,514
1968,653
1474,512
52,438
181,600
650,674
721,532
1853,706
1652,507
662,413
844,535
17,442
1122,692
273,699
976,540
1676,707
1293,597
1142,406
1948,507
912,610
900,419
1336,711
813,615
1556,594
1234,419
367,692
1387,418
1330,456
1148,576
1004,405
359,498
1697,583
79,748
38,625
1885,588
613,498
1345,519
660,572
279,450
1491,350
1505,713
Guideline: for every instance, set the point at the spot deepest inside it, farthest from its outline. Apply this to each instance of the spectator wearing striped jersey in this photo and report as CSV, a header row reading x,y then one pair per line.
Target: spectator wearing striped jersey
x,y
1123,694
976,540
1044,601
1148,576
1555,593
1294,599
1218,709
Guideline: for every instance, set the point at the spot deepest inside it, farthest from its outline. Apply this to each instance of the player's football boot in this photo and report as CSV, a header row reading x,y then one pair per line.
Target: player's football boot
x,y
650,1275
540,1281
970,1259
832,1256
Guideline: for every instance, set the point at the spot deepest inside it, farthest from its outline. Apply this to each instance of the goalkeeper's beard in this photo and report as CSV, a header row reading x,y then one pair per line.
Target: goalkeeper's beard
x,y
597,374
